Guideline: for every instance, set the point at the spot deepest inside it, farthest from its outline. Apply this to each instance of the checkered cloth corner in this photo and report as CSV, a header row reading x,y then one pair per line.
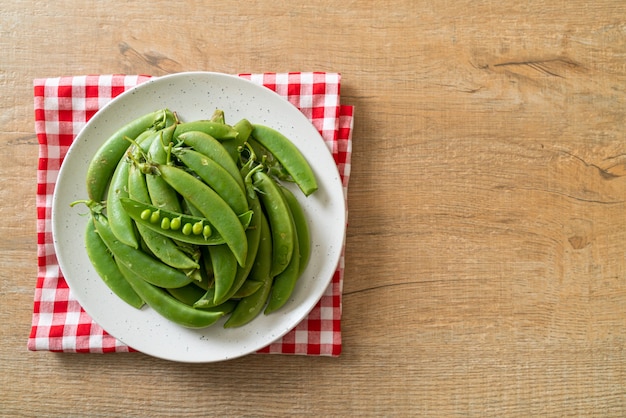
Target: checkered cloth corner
x,y
63,105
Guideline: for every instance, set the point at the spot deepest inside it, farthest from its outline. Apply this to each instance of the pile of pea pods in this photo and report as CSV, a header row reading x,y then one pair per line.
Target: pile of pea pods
x,y
192,218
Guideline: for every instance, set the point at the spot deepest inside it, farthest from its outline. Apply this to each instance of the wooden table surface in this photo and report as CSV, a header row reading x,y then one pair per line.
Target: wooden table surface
x,y
486,251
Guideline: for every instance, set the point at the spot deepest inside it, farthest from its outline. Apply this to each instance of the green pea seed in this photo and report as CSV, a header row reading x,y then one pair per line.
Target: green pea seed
x,y
187,229
206,231
175,223
154,218
197,228
145,215
165,223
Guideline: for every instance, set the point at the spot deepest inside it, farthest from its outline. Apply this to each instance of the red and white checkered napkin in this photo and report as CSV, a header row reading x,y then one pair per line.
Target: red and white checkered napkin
x,y
62,107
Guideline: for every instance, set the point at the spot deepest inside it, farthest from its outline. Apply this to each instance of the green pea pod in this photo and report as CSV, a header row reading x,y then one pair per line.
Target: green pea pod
x,y
189,294
244,129
119,221
212,206
194,274
206,272
158,151
107,269
289,156
161,194
279,218
250,306
207,301
161,246
218,116
219,131
212,148
247,288
216,177
224,269
173,224
284,283
142,144
143,137
148,268
106,158
172,309
190,209
273,167
302,228
253,236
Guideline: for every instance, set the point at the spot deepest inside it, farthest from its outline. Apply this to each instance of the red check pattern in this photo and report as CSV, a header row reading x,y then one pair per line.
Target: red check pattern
x,y
63,105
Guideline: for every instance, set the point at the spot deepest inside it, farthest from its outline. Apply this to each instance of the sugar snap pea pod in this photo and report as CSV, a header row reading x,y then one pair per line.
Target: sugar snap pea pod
x,y
192,251
212,148
206,274
212,206
250,306
284,283
170,119
273,167
147,267
143,247
216,177
224,266
218,116
289,156
102,165
207,300
279,218
119,221
150,132
161,194
161,246
193,274
243,128
190,209
253,235
158,148
142,142
172,309
139,149
219,131
107,269
247,288
189,294
174,225
302,227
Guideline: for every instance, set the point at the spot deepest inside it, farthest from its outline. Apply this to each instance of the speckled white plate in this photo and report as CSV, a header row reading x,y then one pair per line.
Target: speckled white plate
x,y
195,96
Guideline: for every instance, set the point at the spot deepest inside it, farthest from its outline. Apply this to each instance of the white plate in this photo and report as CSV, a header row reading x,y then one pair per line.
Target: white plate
x,y
195,96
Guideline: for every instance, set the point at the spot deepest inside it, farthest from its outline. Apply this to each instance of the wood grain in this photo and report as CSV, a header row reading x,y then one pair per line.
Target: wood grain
x,y
485,259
